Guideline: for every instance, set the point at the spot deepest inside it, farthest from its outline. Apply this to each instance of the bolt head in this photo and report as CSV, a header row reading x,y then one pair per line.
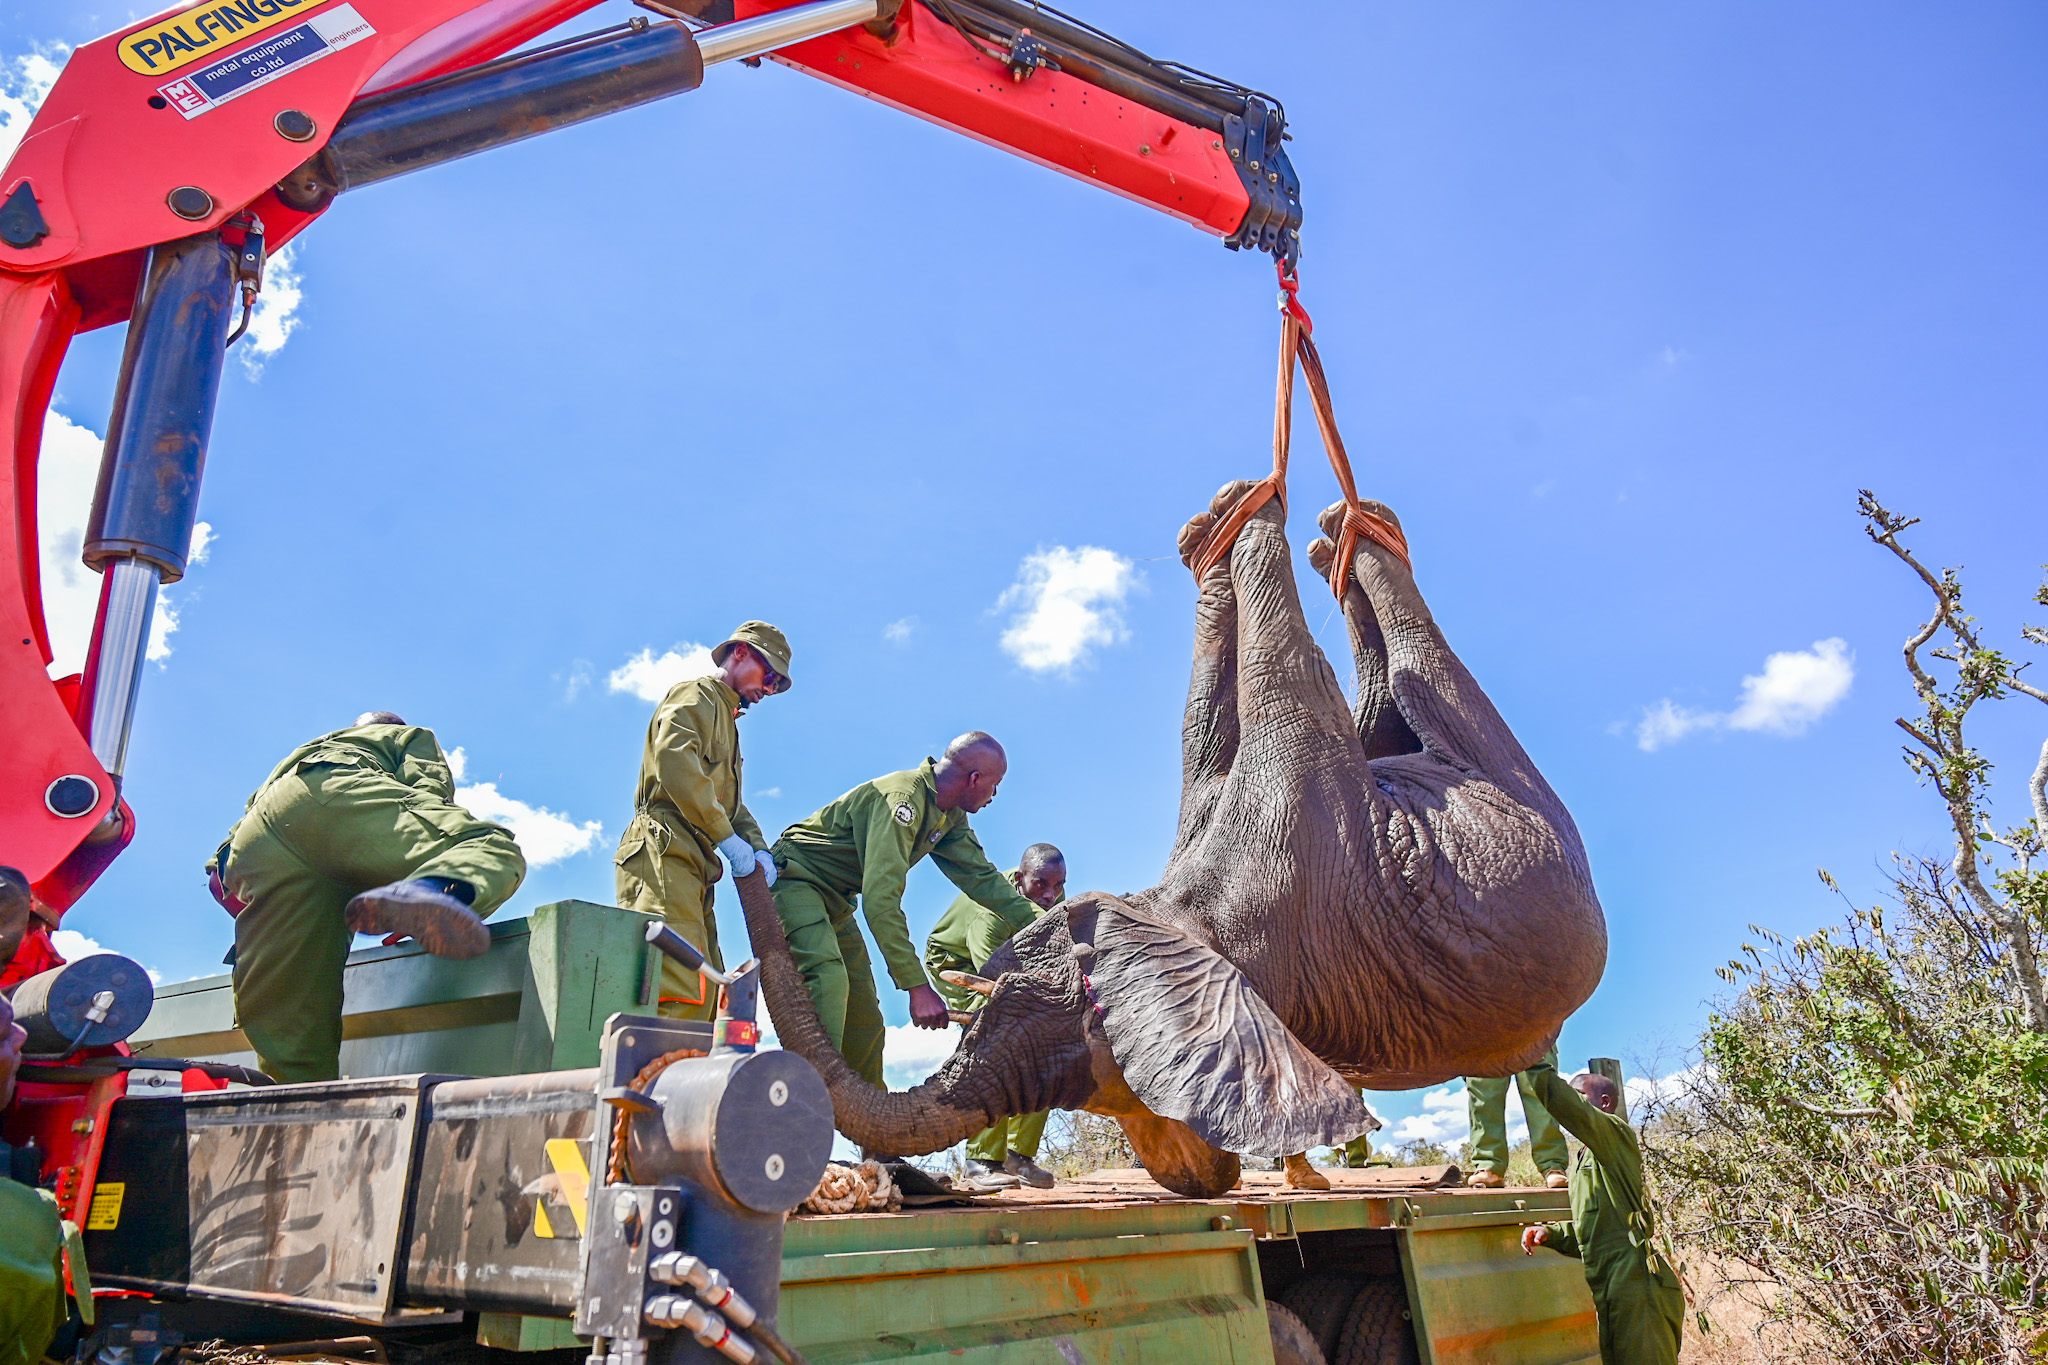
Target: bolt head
x,y
190,202
774,1166
295,124
72,796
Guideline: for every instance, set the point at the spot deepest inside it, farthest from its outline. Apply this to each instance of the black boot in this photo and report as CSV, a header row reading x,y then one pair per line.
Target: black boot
x,y
425,909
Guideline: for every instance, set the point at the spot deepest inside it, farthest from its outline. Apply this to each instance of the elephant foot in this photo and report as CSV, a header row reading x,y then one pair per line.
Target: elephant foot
x,y
1323,549
1197,530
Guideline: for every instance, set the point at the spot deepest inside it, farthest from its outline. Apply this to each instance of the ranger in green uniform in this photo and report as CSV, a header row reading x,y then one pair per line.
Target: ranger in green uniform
x,y
687,808
355,832
1640,1302
1486,1100
864,845
34,1242
963,940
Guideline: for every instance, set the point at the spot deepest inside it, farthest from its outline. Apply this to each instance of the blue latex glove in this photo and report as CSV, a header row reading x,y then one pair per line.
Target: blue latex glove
x,y
738,854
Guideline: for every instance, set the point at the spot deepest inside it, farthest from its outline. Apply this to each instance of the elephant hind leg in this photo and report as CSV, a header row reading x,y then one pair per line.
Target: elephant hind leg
x,y
1377,715
1440,701
1210,729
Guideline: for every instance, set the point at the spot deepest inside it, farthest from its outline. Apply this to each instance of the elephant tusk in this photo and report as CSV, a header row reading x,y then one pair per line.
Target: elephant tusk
x,y
980,985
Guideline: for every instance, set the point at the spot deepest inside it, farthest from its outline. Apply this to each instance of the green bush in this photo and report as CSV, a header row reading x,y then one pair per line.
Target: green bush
x,y
1862,1145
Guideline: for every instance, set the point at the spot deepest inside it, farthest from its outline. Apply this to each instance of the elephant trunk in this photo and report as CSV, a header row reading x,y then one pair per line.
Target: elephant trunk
x,y
927,1119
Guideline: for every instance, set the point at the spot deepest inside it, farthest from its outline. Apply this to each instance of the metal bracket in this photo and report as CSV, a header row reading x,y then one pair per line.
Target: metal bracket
x,y
1272,221
630,1226
632,1101
1027,54
630,1042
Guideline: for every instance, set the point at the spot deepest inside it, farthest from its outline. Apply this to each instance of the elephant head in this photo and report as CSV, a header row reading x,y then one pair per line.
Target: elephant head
x,y
1383,895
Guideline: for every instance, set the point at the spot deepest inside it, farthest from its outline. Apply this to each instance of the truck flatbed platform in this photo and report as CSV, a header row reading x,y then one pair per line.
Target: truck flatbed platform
x,y
1111,1266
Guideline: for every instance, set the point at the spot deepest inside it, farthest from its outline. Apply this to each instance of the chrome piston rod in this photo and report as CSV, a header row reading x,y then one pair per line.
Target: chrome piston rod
x,y
754,37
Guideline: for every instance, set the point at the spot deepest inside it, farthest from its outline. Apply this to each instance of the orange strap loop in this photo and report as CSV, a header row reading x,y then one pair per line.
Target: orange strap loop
x,y
1297,346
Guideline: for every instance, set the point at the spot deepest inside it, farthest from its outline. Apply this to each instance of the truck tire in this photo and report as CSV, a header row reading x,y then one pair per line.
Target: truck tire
x,y
1377,1329
1293,1344
1320,1301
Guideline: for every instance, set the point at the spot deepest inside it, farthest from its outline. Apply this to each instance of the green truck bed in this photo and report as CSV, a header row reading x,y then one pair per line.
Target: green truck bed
x,y
1113,1268
1108,1268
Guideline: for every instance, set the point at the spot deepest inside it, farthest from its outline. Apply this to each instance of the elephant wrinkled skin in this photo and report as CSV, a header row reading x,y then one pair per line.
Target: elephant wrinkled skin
x,y
1386,895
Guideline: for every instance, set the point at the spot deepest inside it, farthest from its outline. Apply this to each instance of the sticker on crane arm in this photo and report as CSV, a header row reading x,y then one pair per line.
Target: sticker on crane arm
x,y
261,63
105,1213
204,31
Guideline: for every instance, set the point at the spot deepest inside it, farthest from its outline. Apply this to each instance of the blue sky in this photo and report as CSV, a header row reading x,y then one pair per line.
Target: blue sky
x,y
1621,304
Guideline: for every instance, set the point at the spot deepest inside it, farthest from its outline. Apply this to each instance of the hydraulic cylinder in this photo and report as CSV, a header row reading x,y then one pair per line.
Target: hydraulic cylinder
x,y
147,499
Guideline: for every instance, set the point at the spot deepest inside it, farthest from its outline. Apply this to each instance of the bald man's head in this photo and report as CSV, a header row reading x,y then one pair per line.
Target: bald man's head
x,y
967,775
1600,1092
379,718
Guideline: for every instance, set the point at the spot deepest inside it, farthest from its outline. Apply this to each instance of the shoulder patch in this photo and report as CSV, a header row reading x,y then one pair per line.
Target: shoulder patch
x,y
904,814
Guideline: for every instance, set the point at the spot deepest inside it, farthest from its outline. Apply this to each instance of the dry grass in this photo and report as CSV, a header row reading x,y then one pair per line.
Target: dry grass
x,y
1741,1331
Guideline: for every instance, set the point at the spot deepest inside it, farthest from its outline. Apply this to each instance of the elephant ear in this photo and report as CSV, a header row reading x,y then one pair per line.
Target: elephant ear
x,y
1196,1043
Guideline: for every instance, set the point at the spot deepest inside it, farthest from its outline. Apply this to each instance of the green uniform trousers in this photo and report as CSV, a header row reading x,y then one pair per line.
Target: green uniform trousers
x,y
32,1298
1641,1321
834,960
1020,1133
1358,1151
1487,1099
675,885
312,840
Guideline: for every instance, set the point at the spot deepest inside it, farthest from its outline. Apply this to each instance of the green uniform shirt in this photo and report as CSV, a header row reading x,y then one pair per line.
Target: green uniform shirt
x,y
690,770
409,753
971,931
1611,1223
865,843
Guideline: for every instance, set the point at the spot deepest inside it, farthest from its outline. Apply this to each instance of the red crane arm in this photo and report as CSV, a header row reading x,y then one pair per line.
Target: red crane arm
x,y
180,125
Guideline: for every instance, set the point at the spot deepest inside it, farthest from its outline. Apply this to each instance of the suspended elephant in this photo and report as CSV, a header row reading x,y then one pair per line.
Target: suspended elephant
x,y
1386,895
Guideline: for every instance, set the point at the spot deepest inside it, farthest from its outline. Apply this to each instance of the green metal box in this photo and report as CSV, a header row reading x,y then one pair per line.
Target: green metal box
x,y
535,1001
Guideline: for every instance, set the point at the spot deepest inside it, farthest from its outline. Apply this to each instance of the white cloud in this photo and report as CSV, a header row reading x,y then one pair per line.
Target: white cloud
x,y
649,678
165,622
1666,723
579,678
544,836
277,311
1446,1119
769,792
65,474
72,945
1647,1094
1796,688
1067,602
23,84
1443,1119
899,632
909,1053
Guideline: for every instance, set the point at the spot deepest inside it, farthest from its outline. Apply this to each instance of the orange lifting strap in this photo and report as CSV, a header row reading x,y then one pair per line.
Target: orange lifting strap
x,y
1296,344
